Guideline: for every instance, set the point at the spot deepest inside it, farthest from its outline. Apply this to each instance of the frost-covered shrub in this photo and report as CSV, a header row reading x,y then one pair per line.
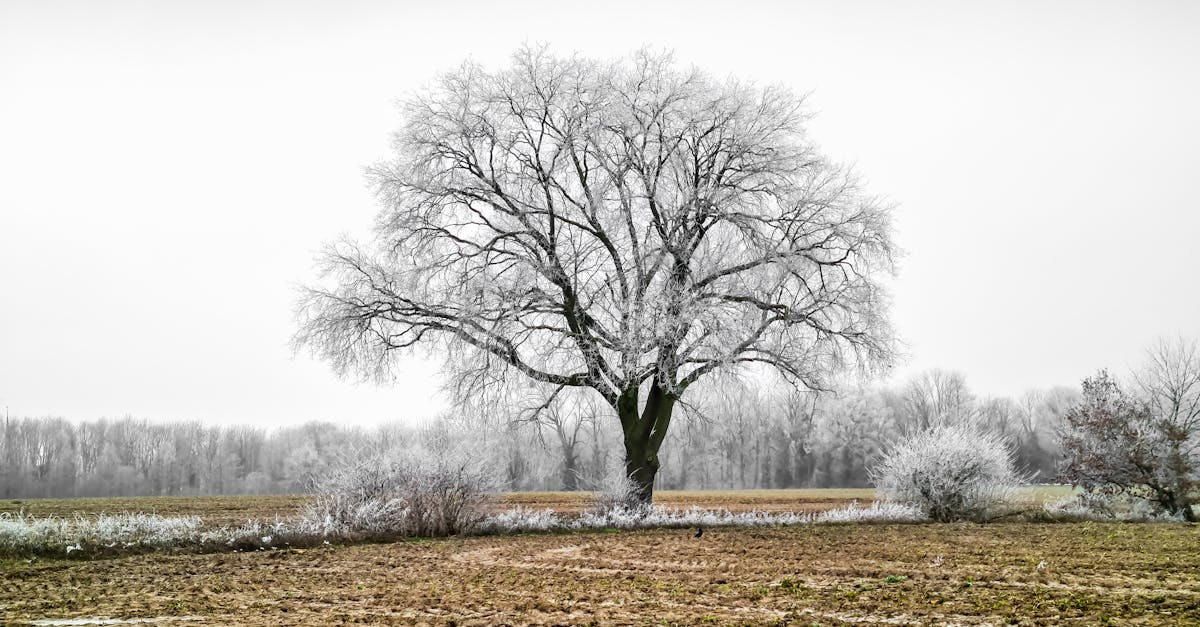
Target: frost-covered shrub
x,y
258,535
1082,506
1144,446
617,495
950,472
1090,505
877,512
522,519
389,495
1144,510
147,529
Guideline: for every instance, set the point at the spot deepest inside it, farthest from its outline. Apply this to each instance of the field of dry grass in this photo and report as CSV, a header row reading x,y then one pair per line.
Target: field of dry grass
x,y
814,574
235,510
1007,573
733,500
219,511
216,511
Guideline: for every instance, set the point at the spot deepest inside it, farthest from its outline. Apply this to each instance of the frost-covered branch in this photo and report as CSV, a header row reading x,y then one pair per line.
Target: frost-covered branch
x,y
624,227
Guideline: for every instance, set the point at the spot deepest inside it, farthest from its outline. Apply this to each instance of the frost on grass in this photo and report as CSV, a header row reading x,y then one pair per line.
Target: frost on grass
x,y
22,534
877,511
399,495
1088,505
117,533
522,519
651,517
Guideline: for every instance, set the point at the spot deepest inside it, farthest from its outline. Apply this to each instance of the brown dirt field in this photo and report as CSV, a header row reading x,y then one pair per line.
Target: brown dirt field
x,y
962,574
216,511
733,500
234,510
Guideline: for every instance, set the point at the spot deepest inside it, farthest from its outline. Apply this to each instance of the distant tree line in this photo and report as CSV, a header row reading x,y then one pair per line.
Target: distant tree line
x,y
733,437
751,440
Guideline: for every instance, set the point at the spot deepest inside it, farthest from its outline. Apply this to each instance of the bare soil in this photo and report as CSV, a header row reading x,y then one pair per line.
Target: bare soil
x,y
965,574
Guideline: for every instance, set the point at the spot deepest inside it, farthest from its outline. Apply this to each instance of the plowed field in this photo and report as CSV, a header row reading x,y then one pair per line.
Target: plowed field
x,y
966,574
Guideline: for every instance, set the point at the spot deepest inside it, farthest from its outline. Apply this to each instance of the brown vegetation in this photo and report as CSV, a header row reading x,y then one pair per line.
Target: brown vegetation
x,y
216,511
1084,573
235,510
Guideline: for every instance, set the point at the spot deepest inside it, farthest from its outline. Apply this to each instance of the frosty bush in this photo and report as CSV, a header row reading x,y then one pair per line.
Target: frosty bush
x,y
1082,506
617,495
1142,446
1090,505
950,472
388,495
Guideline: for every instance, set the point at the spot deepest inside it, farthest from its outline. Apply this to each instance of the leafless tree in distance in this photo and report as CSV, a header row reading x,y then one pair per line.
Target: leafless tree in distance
x,y
936,397
1170,381
625,226
1144,443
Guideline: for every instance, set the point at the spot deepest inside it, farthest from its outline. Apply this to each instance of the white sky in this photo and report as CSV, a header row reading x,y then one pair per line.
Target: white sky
x,y
168,169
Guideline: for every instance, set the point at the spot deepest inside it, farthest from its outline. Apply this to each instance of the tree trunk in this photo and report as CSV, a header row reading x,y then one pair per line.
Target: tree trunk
x,y
641,465
1176,505
644,432
570,466
570,473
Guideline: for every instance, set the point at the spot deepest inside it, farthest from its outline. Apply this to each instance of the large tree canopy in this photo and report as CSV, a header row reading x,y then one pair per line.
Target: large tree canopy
x,y
629,227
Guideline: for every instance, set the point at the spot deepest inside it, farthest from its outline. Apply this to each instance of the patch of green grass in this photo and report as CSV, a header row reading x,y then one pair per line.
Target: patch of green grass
x,y
787,583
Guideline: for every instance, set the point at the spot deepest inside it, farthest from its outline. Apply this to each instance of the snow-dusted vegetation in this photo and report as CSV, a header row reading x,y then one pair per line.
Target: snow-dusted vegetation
x,y
522,519
958,466
645,518
409,495
379,518
1139,441
22,534
1087,505
950,472
876,512
616,493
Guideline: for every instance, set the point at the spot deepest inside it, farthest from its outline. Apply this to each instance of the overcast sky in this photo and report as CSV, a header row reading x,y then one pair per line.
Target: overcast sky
x,y
168,169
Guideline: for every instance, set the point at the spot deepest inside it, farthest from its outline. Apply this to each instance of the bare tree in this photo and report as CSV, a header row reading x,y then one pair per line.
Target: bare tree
x,y
45,441
1170,381
1038,417
854,428
936,397
1117,442
568,417
797,415
1000,415
629,227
